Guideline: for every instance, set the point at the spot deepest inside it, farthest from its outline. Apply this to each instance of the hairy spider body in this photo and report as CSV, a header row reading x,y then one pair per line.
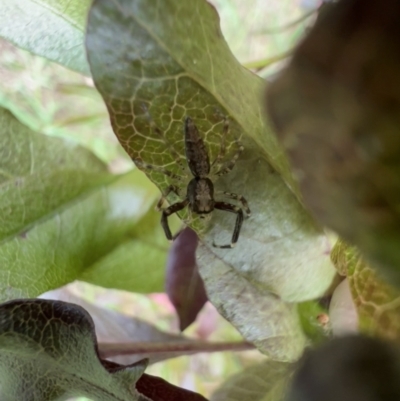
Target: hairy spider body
x,y
196,151
200,190
200,193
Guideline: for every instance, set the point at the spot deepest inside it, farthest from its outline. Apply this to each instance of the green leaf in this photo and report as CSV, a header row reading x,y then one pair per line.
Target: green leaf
x,y
180,64
62,213
140,262
267,381
53,29
34,167
49,352
377,301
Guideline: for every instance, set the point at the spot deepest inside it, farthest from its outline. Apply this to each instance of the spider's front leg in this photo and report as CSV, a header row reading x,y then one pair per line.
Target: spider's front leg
x,y
176,207
238,225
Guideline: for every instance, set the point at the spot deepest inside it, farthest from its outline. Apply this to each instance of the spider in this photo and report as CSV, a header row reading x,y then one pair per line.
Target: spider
x,y
200,190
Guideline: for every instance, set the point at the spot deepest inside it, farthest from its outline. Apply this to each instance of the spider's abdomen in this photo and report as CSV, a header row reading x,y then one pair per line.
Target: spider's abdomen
x,y
196,151
200,193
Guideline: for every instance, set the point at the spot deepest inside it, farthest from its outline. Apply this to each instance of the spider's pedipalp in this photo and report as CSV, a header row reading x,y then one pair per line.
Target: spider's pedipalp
x,y
171,188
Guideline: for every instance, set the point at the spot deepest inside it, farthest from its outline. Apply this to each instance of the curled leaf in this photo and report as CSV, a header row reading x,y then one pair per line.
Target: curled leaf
x,y
336,107
49,352
184,285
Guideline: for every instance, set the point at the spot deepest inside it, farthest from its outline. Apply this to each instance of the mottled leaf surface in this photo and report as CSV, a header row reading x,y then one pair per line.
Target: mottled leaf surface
x,y
53,29
171,57
377,301
48,352
62,214
267,381
183,284
155,64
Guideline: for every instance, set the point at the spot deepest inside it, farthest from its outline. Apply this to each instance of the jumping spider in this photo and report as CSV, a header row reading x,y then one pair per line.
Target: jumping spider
x,y
200,190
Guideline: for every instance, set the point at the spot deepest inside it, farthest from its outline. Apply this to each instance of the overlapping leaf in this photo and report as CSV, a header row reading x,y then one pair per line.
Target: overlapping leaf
x,y
377,301
267,381
50,28
49,352
62,213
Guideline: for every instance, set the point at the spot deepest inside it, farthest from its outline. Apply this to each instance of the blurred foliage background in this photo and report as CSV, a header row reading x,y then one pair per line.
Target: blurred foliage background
x,y
53,100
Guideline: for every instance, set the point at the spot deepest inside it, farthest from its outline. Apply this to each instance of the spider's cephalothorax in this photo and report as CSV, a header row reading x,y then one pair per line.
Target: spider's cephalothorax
x,y
200,190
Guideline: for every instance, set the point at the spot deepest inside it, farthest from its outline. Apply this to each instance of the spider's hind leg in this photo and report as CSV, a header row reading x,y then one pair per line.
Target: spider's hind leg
x,y
238,225
218,167
228,166
216,164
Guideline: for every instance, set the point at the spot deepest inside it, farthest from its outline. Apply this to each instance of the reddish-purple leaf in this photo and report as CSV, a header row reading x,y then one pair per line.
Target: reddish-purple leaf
x,y
155,388
160,390
184,285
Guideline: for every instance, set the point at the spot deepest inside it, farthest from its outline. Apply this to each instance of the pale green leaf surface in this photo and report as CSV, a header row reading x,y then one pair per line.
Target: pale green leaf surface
x,y
57,250
267,381
53,29
49,352
261,317
148,250
62,212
